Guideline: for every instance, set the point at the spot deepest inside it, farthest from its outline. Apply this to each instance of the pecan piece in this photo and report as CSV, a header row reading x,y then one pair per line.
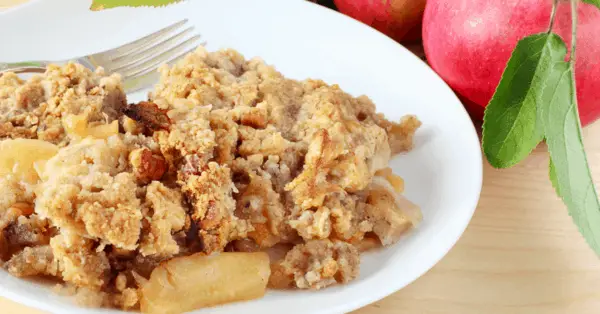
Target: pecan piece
x,y
147,166
149,114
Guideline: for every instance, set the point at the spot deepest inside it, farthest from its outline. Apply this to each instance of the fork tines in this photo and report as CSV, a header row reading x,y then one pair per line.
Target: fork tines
x,y
146,54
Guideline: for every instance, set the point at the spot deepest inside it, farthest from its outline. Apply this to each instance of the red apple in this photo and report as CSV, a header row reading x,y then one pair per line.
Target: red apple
x,y
468,42
395,18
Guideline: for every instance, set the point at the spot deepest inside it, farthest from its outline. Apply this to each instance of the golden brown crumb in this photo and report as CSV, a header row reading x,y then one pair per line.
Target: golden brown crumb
x,y
321,263
313,224
267,142
258,202
34,108
128,299
351,220
33,261
13,192
190,134
213,207
78,261
226,135
227,154
85,193
311,186
167,217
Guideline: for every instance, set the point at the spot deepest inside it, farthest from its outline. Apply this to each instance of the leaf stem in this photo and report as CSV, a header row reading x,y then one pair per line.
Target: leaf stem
x,y
572,57
552,16
573,32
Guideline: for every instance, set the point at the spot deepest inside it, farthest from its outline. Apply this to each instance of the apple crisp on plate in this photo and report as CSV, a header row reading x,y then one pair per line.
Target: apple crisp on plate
x,y
229,179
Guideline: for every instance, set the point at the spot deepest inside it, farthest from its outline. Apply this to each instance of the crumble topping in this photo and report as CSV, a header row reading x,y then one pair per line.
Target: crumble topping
x,y
226,155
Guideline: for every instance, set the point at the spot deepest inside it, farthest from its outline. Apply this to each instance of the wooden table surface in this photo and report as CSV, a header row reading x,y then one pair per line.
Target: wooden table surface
x,y
520,254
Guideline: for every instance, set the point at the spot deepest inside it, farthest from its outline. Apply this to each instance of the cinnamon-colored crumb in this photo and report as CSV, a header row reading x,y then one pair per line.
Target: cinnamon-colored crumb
x,y
227,154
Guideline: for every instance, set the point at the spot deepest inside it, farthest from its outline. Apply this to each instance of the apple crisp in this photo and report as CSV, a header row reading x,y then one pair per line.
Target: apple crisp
x,y
226,155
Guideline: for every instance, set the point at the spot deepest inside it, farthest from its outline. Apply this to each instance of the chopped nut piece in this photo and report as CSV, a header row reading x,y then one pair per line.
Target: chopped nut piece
x,y
148,114
146,165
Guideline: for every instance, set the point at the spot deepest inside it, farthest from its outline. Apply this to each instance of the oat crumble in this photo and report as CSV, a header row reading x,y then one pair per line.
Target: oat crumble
x,y
226,155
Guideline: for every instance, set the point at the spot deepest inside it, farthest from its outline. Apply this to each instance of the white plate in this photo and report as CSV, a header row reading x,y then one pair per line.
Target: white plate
x,y
443,173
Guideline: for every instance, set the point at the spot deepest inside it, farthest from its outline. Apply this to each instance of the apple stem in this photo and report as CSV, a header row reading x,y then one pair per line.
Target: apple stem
x,y
552,15
573,32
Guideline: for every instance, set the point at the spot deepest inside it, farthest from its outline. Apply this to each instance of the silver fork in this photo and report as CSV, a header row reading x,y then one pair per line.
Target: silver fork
x,y
136,61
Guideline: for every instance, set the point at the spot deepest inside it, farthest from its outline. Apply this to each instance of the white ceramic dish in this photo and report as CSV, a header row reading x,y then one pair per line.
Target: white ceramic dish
x,y
443,173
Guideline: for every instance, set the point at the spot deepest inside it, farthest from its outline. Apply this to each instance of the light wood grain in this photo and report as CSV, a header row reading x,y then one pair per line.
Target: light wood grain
x,y
520,254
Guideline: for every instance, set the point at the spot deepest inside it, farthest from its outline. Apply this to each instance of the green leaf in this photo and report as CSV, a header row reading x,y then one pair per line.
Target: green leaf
x,y
511,127
593,2
107,4
571,172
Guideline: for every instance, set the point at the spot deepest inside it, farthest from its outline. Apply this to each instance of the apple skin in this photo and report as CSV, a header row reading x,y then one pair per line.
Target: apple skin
x,y
399,19
469,42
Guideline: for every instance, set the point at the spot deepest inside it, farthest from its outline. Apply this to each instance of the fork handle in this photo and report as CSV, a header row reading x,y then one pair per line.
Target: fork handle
x,y
24,67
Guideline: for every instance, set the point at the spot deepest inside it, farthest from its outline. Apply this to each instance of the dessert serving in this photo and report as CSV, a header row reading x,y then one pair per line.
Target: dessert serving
x,y
229,179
